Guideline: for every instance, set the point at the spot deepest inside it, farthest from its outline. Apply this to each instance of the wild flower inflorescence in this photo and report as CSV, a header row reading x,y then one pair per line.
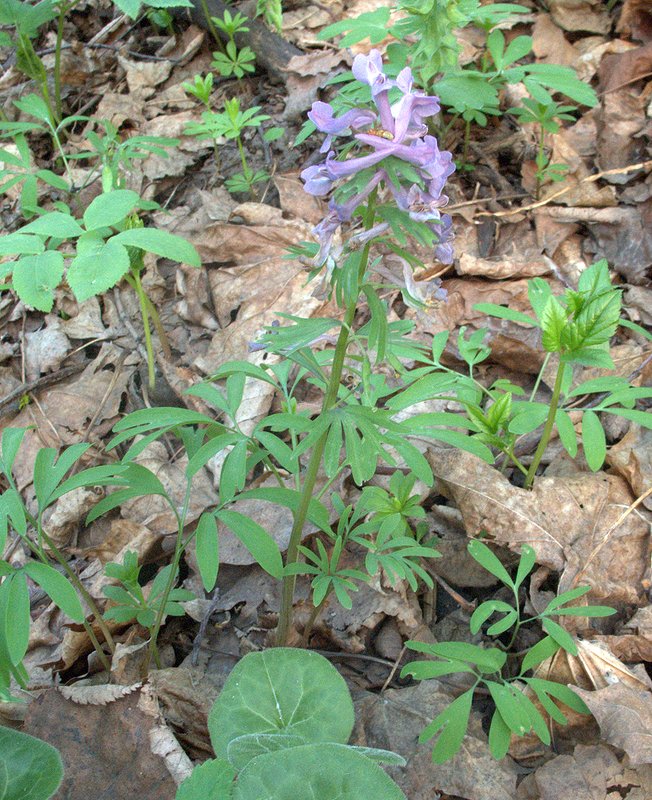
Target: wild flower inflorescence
x,y
403,157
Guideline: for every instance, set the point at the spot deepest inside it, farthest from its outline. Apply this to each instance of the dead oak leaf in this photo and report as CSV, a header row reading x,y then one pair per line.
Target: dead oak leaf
x,y
624,715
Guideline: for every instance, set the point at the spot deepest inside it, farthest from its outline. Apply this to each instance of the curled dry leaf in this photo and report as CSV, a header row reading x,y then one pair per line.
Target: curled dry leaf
x,y
97,695
624,714
563,519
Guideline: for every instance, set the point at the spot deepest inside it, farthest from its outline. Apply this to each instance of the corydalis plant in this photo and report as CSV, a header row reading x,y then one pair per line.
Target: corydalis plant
x,y
400,155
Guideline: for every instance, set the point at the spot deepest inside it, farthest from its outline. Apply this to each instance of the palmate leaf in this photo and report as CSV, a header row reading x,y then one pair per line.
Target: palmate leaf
x,y
452,722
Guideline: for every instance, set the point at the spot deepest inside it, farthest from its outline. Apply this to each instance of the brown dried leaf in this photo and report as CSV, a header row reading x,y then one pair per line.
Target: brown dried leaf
x,y
625,718
500,267
106,749
580,15
563,519
636,20
591,773
631,457
97,695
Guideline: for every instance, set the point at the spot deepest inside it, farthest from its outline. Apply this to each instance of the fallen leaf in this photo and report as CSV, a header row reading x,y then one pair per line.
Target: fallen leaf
x,y
96,695
563,519
105,749
625,718
580,15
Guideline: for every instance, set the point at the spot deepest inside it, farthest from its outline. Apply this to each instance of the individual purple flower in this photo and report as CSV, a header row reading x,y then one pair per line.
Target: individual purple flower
x,y
321,115
444,248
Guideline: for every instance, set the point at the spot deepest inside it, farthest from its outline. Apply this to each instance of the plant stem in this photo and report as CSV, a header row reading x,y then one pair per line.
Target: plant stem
x,y
100,653
75,580
211,25
540,160
312,470
467,137
547,430
134,280
178,550
314,614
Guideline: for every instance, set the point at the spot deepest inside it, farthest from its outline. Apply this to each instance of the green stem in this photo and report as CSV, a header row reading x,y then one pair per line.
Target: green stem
x,y
178,550
547,430
75,580
211,25
540,159
312,470
539,377
100,653
467,138
314,614
142,301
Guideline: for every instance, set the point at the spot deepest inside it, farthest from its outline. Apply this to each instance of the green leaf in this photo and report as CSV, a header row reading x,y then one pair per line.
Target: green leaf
x,y
546,648
161,243
553,322
525,565
499,736
563,79
489,658
34,768
256,539
110,208
508,703
426,670
594,441
207,550
10,445
566,432
98,268
285,691
452,722
486,558
58,589
527,417
485,610
371,25
56,224
36,277
212,780
243,749
129,7
560,635
643,418
320,771
21,244
14,616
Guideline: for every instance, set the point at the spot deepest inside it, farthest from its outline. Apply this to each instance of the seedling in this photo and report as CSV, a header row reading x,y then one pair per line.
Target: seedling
x,y
295,741
514,713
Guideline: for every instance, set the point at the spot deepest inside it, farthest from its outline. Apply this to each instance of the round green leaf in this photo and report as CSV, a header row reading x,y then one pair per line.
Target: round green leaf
x,y
34,768
110,208
97,269
318,771
283,690
36,277
211,780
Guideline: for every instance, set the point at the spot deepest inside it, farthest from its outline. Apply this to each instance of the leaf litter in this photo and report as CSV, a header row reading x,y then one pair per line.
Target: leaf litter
x,y
584,528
